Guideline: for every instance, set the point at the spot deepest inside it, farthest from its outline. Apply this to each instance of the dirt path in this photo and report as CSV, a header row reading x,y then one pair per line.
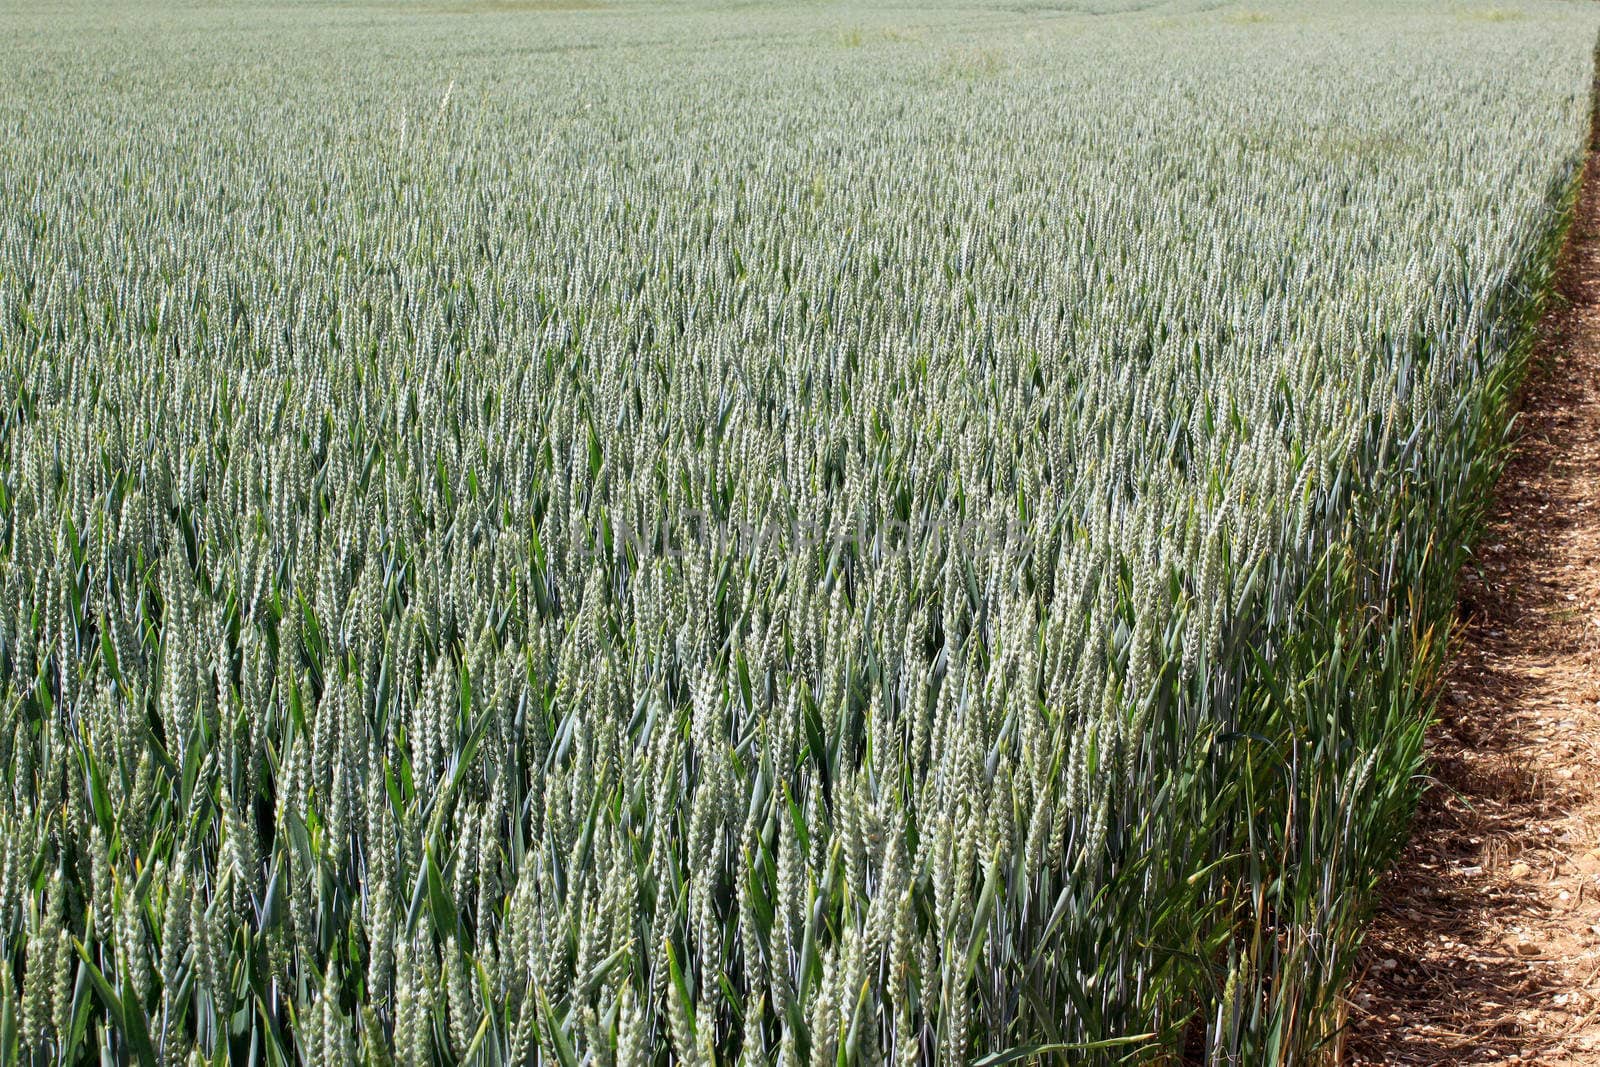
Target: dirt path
x,y
1487,948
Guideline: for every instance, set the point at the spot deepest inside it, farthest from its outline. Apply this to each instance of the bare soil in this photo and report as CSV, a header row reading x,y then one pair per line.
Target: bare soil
x,y
1486,948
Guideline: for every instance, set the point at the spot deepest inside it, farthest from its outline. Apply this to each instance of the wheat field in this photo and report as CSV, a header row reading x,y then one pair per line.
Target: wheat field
x,y
593,531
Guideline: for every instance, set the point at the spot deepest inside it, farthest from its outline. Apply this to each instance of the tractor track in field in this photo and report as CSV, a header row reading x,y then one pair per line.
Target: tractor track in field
x,y
1486,945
